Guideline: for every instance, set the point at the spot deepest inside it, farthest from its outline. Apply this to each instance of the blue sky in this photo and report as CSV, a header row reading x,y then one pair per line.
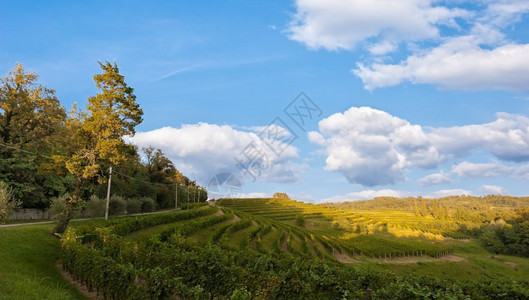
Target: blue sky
x,y
417,97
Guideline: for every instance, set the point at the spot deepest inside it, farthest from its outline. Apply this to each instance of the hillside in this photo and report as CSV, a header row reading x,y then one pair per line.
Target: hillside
x,y
272,248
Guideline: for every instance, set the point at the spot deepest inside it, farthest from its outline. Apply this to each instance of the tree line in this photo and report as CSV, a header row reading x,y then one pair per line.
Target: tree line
x,y
47,151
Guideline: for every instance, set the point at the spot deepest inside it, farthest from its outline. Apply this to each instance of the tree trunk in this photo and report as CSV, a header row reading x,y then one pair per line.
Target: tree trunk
x,y
71,206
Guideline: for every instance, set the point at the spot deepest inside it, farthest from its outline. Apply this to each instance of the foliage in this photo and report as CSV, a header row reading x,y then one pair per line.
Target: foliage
x,y
511,237
111,114
31,119
279,195
7,203
117,205
95,206
57,207
300,221
147,204
171,265
134,205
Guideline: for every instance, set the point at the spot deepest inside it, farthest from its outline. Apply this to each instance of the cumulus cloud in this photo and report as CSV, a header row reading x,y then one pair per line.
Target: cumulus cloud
x,y
449,192
437,178
494,169
476,55
371,147
455,65
492,190
506,138
342,24
203,150
371,194
368,194
254,195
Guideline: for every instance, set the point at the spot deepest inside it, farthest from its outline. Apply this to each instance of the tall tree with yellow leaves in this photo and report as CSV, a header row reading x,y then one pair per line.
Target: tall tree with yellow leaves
x,y
111,114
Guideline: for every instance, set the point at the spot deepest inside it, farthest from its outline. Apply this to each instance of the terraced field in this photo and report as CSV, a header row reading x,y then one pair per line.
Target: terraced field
x,y
259,244
279,227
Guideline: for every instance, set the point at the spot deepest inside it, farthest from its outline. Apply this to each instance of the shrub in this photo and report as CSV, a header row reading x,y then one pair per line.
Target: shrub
x,y
95,207
279,195
7,203
300,221
134,205
58,206
117,205
148,205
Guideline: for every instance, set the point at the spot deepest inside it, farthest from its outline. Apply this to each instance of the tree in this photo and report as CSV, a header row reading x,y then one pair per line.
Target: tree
x,y
424,209
435,209
111,114
160,168
279,195
30,118
7,203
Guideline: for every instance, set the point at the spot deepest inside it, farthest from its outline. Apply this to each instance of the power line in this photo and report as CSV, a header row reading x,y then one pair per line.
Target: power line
x,y
101,164
22,150
139,180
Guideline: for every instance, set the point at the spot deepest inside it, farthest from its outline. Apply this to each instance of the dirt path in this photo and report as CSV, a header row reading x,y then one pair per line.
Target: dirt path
x,y
253,242
311,246
81,288
343,258
453,258
413,259
284,242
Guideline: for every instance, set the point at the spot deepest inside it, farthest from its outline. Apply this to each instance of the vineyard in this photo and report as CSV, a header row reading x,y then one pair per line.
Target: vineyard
x,y
258,248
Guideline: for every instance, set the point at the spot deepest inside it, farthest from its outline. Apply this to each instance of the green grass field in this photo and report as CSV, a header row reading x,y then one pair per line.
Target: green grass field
x,y
28,257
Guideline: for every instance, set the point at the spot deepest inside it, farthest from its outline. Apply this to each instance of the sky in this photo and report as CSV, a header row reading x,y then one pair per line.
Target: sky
x,y
325,100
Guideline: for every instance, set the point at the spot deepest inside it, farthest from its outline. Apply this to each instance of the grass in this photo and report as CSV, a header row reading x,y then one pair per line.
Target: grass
x,y
28,256
478,265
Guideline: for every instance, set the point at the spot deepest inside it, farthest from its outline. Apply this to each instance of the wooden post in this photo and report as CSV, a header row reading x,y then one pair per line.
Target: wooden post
x,y
108,192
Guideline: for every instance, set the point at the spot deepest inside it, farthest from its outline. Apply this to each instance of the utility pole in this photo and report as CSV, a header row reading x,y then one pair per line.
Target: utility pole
x,y
108,192
176,196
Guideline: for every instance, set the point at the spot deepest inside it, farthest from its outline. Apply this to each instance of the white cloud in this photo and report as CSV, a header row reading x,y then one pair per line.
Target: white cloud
x,y
505,12
367,195
254,195
492,190
455,66
371,147
437,178
449,192
203,150
383,47
476,55
468,169
506,138
342,24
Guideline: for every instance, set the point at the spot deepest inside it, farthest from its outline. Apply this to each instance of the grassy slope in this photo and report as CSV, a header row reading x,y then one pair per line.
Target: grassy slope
x,y
27,265
477,264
